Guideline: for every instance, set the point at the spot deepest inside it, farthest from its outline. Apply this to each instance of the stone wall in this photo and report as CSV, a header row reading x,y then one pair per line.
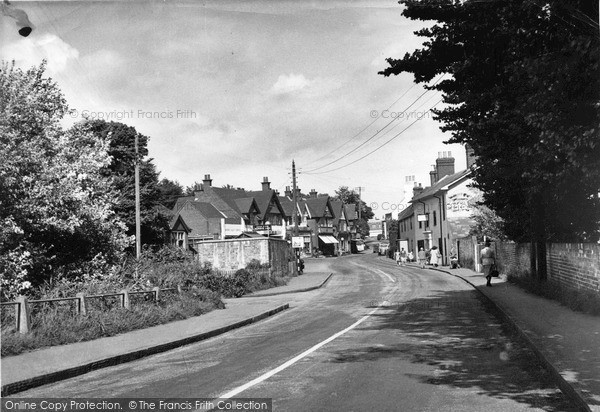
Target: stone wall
x,y
232,254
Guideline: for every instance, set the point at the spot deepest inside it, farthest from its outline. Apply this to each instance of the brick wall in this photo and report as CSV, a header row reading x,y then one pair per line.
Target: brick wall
x,y
513,258
574,265
232,254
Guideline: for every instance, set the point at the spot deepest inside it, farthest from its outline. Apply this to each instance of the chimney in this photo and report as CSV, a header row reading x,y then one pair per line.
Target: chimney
x,y
444,164
313,193
206,183
471,158
417,189
266,185
288,191
433,175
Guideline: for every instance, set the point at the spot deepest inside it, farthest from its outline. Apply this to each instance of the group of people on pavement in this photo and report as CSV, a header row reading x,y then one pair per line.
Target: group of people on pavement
x,y
487,259
431,257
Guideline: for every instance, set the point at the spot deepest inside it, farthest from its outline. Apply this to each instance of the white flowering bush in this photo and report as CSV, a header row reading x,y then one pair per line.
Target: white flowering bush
x,y
56,204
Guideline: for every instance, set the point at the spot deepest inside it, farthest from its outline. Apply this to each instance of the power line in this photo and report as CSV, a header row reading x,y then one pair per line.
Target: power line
x,y
376,149
378,131
365,128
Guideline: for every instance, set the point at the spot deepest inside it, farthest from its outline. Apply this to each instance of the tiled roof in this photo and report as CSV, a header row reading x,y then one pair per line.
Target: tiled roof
x,y
181,201
245,204
350,211
337,206
287,205
207,210
195,215
409,211
443,182
317,206
263,200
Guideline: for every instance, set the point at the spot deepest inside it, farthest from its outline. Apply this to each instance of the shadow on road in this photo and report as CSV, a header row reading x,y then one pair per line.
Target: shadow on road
x,y
457,334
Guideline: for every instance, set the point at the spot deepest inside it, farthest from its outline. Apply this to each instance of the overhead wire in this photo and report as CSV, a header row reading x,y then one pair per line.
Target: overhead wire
x,y
378,131
379,147
365,128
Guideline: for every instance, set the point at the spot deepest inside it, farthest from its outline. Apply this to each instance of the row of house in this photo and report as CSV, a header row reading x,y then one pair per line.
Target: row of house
x,y
440,214
226,213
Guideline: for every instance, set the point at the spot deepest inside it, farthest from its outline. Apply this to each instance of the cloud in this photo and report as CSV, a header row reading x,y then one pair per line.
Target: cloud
x,y
291,83
31,50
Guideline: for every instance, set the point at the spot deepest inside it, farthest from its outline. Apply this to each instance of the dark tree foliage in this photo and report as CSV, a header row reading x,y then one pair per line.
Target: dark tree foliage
x,y
169,191
154,223
522,86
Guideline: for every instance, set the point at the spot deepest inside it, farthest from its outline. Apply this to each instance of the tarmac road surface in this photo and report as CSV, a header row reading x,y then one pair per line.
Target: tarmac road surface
x,y
378,337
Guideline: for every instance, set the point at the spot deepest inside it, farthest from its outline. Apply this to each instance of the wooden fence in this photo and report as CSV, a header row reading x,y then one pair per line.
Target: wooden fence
x,y
23,305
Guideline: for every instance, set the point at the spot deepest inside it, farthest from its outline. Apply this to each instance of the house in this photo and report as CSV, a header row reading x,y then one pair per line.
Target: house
x,y
318,216
223,213
203,221
344,224
406,229
442,212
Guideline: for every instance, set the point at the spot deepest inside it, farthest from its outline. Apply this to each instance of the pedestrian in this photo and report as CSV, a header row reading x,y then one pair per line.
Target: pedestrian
x,y
436,256
397,257
422,255
411,256
403,256
487,258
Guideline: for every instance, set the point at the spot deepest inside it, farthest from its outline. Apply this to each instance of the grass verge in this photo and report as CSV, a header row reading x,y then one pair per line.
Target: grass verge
x,y
56,325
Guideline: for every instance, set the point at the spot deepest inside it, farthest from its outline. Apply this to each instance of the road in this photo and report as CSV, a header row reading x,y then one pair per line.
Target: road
x,y
377,337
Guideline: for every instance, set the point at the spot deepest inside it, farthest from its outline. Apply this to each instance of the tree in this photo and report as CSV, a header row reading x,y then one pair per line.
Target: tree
x,y
486,223
56,209
169,191
523,93
121,137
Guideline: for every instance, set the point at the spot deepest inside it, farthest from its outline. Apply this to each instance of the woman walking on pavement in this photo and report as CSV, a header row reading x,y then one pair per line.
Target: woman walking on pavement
x,y
487,258
436,256
422,255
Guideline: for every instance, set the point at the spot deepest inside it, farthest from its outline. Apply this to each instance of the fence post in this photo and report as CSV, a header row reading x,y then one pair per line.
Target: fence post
x,y
81,304
156,289
24,319
126,303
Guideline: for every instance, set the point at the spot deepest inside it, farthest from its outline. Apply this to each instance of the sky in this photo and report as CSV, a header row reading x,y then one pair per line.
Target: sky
x,y
238,90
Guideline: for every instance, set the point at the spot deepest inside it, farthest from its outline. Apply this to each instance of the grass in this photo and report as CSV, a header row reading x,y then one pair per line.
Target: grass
x,y
578,300
57,325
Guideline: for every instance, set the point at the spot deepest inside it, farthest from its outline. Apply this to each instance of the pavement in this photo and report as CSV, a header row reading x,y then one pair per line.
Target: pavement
x,y
47,365
565,341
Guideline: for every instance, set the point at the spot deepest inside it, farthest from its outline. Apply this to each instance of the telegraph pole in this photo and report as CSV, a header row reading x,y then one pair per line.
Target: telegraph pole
x,y
296,265
138,240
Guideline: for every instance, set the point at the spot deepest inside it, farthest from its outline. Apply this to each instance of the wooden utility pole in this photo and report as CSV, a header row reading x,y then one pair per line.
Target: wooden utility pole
x,y
296,265
138,240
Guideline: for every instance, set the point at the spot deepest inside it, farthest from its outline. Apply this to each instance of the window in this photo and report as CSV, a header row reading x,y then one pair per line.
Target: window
x,y
434,218
411,225
420,225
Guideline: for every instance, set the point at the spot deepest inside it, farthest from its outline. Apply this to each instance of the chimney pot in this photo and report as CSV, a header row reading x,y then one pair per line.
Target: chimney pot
x,y
207,182
266,185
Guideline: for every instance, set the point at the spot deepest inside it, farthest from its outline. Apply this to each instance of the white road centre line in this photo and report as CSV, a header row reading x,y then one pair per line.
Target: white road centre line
x,y
289,363
383,273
